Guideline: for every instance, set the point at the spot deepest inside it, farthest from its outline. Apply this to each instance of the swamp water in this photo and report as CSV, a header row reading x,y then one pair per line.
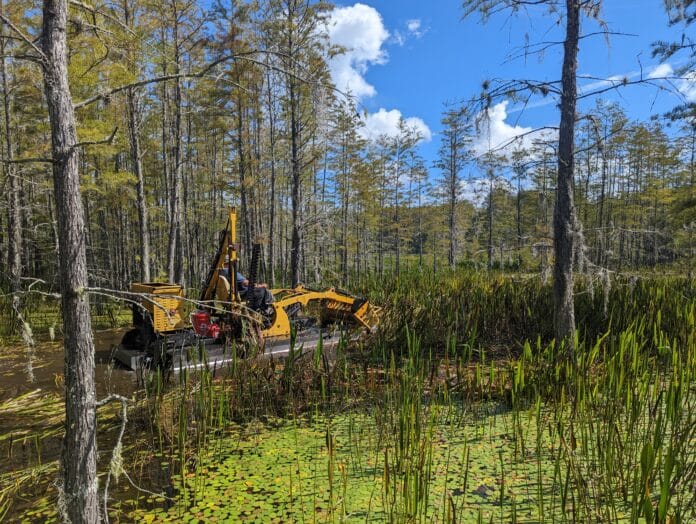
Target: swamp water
x,y
466,467
31,420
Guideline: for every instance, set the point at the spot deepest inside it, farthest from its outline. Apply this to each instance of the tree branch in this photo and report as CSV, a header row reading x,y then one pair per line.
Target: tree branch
x,y
25,38
95,12
28,160
108,140
154,80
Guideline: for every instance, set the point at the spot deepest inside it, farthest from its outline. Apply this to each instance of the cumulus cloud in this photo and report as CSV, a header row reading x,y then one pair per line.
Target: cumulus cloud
x,y
385,122
413,25
358,29
497,135
414,28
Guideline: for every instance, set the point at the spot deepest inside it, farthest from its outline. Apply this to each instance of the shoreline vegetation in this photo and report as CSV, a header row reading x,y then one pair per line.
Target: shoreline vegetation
x,y
461,409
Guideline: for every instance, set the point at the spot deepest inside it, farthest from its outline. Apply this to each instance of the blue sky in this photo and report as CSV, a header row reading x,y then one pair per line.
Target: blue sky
x,y
410,57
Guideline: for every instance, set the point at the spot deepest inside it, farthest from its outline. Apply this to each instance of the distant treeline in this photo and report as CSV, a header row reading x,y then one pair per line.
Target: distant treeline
x,y
186,108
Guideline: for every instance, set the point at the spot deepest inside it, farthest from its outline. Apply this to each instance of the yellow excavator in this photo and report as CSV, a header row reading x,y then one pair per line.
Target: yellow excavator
x,y
236,311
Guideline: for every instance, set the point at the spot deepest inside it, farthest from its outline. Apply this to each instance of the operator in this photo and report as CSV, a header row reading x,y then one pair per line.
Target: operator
x,y
260,296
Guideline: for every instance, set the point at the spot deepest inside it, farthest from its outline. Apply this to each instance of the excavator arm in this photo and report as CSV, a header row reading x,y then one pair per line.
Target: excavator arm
x,y
216,284
334,306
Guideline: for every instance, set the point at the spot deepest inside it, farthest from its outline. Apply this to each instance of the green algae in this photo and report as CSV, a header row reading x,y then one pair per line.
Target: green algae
x,y
338,469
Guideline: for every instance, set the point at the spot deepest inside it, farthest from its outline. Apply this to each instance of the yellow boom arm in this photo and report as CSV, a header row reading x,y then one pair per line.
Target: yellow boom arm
x,y
335,305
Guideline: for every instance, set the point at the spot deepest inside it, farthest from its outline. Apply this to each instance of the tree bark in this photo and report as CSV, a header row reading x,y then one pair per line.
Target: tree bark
x,y
14,222
137,164
272,204
79,445
452,209
564,210
134,120
296,180
175,255
489,220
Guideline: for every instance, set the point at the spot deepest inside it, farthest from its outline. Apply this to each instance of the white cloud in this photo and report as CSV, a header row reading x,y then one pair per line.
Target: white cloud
x,y
497,135
661,71
612,81
385,122
414,26
360,30
687,86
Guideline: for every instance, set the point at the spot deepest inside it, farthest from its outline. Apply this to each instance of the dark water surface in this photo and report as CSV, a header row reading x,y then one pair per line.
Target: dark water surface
x,y
47,366
31,420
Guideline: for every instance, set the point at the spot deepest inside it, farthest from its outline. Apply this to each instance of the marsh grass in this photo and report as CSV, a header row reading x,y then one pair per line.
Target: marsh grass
x,y
462,409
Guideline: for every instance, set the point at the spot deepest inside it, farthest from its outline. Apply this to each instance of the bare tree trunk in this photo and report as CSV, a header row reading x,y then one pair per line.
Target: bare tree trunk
x,y
564,210
272,204
518,219
451,212
244,185
136,160
601,255
295,248
344,214
175,255
79,445
134,120
489,220
14,222
692,180
397,220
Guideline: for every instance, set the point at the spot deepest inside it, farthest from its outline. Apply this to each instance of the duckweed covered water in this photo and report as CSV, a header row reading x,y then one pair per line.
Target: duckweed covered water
x,y
469,467
338,469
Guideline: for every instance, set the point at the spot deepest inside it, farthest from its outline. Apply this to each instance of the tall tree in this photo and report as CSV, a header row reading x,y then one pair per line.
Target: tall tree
x,y
452,156
401,151
79,457
300,47
564,220
134,119
14,219
345,161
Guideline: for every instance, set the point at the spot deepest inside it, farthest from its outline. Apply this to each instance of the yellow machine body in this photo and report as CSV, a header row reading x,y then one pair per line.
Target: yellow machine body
x,y
164,304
